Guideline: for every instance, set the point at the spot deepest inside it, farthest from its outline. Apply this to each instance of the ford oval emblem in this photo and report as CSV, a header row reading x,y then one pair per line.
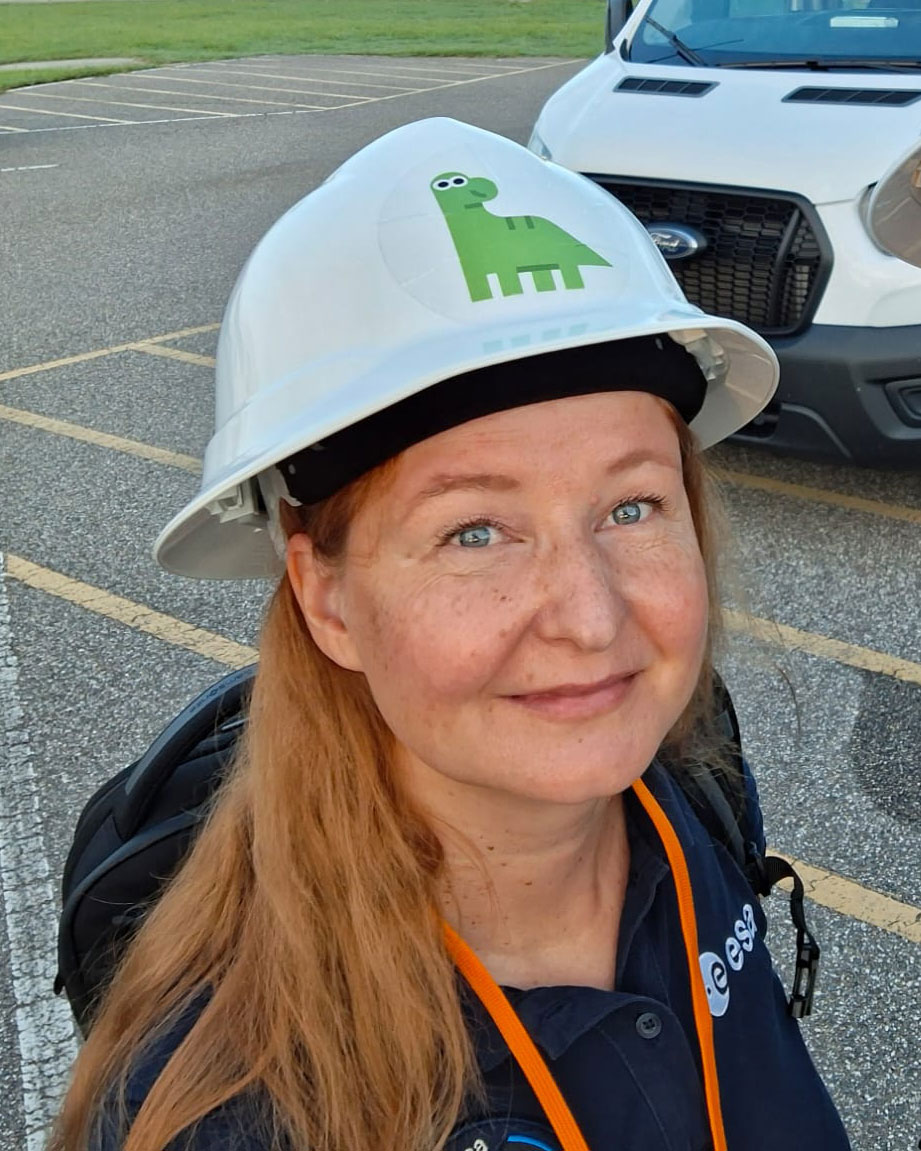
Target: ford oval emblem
x,y
676,241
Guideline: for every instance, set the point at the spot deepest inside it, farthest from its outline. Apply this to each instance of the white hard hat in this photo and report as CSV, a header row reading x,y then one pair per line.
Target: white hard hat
x,y
894,210
395,276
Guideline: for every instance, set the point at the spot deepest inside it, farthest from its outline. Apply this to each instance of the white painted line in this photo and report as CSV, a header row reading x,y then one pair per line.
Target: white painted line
x,y
29,167
141,123
197,95
126,104
44,1029
70,115
10,128
312,79
436,80
474,68
355,103
456,67
277,88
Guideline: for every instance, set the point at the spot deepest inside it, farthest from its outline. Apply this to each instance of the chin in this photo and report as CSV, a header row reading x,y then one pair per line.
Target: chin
x,y
577,777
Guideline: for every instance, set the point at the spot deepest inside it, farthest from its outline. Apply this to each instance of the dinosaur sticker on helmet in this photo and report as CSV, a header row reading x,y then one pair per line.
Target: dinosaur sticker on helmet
x,y
507,246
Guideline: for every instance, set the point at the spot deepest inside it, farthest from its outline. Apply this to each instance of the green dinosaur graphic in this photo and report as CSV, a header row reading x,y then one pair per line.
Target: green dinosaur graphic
x,y
506,245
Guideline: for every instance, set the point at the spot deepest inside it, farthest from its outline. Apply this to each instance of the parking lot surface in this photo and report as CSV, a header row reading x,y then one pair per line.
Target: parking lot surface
x,y
128,211
256,87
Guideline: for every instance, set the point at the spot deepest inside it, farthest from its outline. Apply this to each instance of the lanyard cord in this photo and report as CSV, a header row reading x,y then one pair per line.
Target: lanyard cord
x,y
520,1043
703,1020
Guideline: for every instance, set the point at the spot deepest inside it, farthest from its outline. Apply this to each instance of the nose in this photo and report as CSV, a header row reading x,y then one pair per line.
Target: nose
x,y
580,598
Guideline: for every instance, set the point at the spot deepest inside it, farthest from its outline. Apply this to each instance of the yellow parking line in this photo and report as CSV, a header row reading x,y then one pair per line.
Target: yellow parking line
x,y
848,897
101,439
96,353
820,496
850,654
134,615
175,354
181,334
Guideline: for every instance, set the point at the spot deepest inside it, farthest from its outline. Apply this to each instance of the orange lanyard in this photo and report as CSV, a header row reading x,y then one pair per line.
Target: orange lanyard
x,y
521,1045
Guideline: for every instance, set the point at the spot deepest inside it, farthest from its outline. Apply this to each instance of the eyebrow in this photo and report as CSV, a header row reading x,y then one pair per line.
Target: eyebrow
x,y
446,482
640,456
476,482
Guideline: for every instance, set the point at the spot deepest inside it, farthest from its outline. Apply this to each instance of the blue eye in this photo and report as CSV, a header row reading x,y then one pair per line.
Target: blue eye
x,y
477,536
632,512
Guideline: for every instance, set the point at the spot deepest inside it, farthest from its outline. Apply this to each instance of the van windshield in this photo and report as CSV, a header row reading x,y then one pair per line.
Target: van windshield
x,y
844,34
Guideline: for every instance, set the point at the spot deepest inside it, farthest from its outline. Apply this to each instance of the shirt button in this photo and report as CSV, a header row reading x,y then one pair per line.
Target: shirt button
x,y
648,1025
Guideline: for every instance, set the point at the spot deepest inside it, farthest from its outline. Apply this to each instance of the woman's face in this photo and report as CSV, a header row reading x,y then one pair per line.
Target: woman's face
x,y
526,597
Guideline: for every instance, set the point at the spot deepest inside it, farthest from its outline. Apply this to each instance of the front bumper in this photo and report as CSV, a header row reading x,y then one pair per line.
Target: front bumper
x,y
846,393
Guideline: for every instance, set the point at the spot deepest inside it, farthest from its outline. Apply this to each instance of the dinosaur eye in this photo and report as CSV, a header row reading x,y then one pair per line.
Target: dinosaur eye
x,y
459,181
442,184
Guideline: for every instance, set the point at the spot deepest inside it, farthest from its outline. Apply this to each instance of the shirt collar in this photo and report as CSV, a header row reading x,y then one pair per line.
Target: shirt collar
x,y
555,1017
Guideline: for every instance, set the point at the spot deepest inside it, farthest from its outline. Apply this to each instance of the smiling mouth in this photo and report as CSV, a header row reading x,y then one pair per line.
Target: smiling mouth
x,y
578,701
575,690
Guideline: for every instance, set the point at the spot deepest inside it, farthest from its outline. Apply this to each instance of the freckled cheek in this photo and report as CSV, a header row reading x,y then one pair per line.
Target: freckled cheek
x,y
671,601
441,642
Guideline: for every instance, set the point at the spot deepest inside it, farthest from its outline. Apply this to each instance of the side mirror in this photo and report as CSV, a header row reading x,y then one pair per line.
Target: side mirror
x,y
616,16
894,210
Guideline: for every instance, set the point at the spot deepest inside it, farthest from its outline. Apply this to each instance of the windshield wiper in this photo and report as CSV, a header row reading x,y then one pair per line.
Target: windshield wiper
x,y
814,65
683,50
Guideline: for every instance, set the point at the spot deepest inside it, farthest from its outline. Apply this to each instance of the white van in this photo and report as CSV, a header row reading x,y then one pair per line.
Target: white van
x,y
747,135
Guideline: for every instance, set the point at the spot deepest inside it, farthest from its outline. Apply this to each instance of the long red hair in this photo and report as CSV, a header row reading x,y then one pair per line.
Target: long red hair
x,y
305,918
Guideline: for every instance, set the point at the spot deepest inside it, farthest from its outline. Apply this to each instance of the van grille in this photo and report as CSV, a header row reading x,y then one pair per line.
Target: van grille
x,y
766,261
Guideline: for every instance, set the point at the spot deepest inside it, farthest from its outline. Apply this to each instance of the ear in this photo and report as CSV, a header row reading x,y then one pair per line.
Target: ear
x,y
319,593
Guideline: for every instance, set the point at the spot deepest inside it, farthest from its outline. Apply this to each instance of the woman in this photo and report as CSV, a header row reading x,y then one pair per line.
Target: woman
x,y
471,434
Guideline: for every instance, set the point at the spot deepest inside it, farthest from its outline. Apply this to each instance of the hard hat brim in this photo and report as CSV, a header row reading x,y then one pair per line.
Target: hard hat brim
x,y
894,210
199,544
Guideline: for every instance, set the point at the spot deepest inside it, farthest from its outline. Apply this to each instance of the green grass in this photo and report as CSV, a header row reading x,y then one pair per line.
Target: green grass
x,y
164,31
22,77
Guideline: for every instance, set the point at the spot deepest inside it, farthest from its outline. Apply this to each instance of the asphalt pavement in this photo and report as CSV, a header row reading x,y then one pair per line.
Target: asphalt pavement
x,y
122,229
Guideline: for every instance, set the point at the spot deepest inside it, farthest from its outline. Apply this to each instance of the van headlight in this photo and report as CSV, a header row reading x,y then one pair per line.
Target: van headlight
x,y
538,147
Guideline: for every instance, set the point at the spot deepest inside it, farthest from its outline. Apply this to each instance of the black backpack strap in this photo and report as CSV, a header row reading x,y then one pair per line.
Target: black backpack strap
x,y
134,833
722,813
808,951
201,718
721,798
722,801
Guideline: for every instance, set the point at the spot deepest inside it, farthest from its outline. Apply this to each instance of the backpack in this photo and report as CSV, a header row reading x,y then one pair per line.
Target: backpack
x,y
136,830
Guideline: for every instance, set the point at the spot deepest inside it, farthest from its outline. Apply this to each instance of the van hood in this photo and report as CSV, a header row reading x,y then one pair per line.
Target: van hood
x,y
742,131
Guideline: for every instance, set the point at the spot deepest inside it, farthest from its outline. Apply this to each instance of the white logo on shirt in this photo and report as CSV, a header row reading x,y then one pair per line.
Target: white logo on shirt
x,y
715,968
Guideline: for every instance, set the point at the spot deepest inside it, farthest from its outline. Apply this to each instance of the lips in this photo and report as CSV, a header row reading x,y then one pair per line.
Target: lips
x,y
578,700
574,690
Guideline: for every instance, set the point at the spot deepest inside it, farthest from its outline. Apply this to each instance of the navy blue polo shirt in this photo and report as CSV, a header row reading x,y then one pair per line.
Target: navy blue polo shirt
x,y
628,1060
